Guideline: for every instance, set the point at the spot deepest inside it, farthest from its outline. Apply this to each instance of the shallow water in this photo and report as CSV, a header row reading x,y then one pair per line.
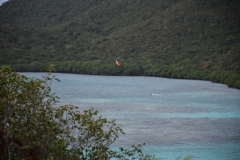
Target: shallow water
x,y
174,117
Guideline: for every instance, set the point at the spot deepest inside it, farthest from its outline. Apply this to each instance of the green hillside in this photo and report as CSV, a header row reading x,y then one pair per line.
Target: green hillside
x,y
194,39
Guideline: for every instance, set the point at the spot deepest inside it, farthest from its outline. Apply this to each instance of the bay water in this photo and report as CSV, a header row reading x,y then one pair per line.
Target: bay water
x,y
174,117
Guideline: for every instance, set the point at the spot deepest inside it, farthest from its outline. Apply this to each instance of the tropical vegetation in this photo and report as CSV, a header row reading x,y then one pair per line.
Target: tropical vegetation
x,y
32,126
168,38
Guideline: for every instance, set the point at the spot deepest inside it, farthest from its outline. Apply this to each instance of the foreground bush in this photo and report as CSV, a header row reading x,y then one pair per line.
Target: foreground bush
x,y
31,127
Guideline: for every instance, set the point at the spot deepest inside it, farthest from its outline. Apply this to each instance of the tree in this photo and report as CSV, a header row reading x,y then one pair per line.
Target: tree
x,y
27,116
32,127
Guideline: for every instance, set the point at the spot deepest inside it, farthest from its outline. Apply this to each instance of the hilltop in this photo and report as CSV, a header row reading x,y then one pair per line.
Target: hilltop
x,y
168,38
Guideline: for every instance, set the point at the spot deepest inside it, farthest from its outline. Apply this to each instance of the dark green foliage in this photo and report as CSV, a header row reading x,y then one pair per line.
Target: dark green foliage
x,y
33,127
174,38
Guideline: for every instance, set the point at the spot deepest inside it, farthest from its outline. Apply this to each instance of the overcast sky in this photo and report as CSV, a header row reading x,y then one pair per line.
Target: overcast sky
x,y
1,1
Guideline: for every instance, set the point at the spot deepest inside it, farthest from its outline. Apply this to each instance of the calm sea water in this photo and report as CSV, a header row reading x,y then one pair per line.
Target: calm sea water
x,y
174,117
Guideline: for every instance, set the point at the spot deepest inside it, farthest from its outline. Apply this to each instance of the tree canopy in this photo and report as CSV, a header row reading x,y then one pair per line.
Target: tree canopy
x,y
33,127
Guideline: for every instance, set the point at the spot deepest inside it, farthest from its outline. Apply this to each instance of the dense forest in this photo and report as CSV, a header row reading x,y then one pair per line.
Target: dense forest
x,y
192,39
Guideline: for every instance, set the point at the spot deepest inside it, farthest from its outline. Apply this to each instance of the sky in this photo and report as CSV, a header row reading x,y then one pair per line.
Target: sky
x,y
1,1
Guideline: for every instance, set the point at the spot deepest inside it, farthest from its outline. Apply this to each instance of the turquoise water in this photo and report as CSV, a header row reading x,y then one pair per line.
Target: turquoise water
x,y
174,117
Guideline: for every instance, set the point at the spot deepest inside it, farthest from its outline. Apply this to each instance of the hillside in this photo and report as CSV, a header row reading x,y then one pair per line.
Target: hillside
x,y
169,38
